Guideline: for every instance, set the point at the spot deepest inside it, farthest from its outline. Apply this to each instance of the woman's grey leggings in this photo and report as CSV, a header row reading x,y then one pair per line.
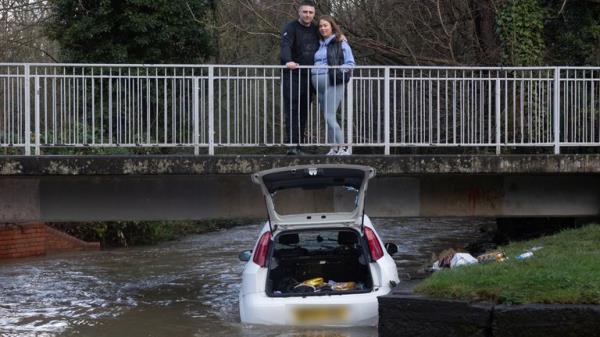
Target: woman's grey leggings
x,y
329,98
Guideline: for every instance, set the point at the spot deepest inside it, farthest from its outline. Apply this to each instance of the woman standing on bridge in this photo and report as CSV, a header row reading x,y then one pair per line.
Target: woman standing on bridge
x,y
333,50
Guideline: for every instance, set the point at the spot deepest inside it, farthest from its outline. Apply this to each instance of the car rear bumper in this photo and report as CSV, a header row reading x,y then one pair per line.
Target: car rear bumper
x,y
335,310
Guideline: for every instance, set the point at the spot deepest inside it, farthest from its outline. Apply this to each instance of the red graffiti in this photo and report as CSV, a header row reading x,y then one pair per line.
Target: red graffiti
x,y
476,195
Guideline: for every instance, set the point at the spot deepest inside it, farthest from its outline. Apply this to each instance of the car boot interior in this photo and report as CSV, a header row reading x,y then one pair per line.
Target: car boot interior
x,y
318,262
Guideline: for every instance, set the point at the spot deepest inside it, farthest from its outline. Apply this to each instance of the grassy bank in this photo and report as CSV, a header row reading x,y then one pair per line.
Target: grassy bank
x,y
135,233
566,270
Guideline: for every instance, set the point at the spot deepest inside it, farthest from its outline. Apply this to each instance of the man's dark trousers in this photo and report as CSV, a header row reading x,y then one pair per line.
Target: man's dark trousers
x,y
297,96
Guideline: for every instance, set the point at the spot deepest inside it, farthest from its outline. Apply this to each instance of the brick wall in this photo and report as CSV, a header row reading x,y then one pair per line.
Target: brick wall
x,y
35,239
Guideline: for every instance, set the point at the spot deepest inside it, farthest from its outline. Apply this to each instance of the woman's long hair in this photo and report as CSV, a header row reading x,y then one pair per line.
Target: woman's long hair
x,y
335,28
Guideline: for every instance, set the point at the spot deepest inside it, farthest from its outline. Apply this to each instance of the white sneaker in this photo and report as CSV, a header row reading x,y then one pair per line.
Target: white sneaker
x,y
343,152
334,151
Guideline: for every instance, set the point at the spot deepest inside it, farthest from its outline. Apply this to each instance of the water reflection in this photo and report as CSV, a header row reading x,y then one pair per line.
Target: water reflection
x,y
184,288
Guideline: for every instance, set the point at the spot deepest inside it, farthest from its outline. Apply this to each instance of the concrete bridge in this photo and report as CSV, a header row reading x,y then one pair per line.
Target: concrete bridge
x,y
68,188
214,110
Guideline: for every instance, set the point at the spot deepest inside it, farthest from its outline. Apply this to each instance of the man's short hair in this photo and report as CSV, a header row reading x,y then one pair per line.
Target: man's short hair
x,y
307,3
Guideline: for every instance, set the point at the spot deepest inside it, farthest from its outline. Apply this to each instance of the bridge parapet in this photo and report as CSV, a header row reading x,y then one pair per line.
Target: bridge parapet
x,y
209,187
248,164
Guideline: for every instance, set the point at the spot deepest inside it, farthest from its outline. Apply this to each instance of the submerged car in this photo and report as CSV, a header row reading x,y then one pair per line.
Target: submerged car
x,y
318,259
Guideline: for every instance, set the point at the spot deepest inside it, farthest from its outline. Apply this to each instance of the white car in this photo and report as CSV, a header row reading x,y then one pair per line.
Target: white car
x,y
318,260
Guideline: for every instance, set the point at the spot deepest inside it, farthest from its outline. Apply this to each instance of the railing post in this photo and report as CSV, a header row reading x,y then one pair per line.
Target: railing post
x,y
350,119
386,109
196,115
498,119
37,115
211,110
556,110
27,89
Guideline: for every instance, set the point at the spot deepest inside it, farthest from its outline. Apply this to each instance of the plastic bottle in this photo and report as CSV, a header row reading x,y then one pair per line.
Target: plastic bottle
x,y
525,255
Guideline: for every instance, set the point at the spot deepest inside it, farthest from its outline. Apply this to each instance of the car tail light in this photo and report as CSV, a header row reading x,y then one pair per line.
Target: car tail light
x,y
374,244
260,256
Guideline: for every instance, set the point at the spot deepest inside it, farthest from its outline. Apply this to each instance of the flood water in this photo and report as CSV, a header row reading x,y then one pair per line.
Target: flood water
x,y
176,289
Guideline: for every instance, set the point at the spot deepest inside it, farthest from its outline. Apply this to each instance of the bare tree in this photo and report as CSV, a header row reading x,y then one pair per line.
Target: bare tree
x,y
22,36
424,32
248,30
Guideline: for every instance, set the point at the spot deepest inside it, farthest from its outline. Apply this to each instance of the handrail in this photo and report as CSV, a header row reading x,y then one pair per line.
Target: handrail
x,y
212,107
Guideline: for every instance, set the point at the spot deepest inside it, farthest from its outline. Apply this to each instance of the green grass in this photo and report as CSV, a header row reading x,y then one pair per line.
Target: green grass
x,y
566,270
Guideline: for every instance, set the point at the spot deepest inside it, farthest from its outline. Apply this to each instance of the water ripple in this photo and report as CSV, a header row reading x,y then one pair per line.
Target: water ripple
x,y
184,288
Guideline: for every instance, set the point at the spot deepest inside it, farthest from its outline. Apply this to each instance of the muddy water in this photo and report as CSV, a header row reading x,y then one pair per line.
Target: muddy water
x,y
184,288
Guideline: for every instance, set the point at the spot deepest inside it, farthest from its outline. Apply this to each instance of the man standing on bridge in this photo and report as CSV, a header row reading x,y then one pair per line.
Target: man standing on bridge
x,y
299,42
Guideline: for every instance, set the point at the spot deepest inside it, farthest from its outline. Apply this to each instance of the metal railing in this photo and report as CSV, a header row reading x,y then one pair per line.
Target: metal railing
x,y
218,106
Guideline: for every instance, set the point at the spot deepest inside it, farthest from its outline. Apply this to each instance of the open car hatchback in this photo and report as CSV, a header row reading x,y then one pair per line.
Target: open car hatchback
x,y
318,259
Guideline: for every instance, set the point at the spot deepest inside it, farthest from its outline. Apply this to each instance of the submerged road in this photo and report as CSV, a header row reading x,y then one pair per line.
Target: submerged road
x,y
183,288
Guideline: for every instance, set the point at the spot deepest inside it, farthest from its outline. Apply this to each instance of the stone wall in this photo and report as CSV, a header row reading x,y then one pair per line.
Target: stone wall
x,y
37,239
405,315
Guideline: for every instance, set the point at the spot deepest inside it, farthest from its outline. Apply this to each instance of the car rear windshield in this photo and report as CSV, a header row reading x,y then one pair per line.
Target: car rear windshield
x,y
318,241
329,199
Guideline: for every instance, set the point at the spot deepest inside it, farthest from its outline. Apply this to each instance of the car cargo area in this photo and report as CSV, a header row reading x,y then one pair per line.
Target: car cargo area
x,y
318,262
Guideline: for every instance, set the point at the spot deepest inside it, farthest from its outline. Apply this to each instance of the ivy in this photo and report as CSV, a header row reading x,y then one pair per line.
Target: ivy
x,y
573,34
520,26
